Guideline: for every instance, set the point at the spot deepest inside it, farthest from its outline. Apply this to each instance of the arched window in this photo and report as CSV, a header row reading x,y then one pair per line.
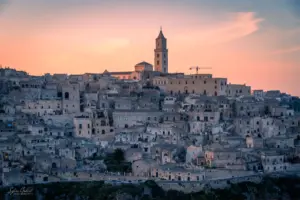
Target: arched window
x,y
66,95
54,165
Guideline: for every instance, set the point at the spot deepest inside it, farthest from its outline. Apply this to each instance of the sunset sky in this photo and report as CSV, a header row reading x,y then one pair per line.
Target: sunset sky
x,y
256,42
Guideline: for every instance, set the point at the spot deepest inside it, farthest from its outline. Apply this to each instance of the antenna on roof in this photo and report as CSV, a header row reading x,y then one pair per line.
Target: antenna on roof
x,y
198,68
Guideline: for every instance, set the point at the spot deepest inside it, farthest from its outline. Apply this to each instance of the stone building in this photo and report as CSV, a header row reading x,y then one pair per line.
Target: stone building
x,y
161,53
192,84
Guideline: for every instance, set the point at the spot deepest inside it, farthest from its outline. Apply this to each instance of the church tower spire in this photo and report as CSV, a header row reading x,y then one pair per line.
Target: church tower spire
x,y
161,53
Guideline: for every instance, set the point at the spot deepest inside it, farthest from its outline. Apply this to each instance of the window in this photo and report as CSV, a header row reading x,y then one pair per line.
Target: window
x,y
157,62
80,126
157,55
66,95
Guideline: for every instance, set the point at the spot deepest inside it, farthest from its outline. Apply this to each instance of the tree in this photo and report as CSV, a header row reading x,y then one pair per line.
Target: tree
x,y
27,167
180,155
115,162
119,155
267,110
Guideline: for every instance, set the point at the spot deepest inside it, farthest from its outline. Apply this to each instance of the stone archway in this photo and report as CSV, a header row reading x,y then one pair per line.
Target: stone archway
x,y
67,95
186,90
54,166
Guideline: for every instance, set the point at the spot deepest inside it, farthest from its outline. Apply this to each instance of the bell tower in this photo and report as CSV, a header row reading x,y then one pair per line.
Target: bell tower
x,y
161,53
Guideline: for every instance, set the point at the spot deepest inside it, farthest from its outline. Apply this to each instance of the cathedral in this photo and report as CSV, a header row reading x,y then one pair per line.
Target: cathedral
x,y
144,69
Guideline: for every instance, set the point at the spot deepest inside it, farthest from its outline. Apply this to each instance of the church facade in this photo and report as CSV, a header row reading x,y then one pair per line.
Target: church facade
x,y
144,70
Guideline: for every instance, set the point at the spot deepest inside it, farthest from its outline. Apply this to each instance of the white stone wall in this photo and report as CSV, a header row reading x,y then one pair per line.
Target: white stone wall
x,y
42,107
235,90
131,118
82,127
71,98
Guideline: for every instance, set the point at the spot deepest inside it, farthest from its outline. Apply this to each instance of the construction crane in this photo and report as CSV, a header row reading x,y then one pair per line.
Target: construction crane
x,y
197,68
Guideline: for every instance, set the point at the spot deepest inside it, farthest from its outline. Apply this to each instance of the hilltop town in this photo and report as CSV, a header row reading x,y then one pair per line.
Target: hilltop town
x,y
143,124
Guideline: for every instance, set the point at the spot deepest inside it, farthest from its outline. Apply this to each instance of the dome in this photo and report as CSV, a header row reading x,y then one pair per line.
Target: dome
x,y
143,63
143,66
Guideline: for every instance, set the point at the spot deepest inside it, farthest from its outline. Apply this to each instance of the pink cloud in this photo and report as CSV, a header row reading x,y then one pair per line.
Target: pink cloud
x,y
287,50
236,25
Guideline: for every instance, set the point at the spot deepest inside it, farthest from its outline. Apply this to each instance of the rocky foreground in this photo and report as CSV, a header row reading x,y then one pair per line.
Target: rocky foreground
x,y
270,188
